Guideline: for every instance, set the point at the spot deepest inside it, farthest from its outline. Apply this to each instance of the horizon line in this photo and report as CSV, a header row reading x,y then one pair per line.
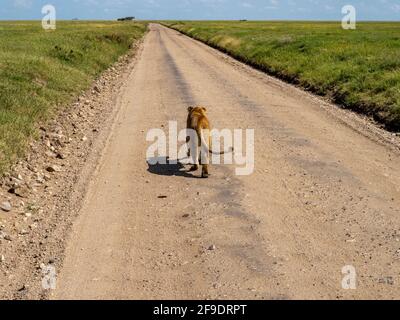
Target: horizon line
x,y
239,20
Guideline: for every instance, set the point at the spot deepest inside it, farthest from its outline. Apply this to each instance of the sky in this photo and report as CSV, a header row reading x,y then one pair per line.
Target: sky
x,y
202,9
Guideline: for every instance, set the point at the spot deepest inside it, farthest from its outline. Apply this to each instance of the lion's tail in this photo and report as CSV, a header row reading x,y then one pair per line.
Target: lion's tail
x,y
209,150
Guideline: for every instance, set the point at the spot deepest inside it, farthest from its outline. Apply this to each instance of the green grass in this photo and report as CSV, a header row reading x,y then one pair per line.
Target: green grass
x,y
359,69
40,70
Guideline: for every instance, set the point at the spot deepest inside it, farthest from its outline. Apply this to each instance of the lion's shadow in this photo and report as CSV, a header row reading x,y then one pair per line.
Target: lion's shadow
x,y
163,166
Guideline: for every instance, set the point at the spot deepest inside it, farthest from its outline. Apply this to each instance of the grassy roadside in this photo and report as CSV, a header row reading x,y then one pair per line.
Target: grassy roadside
x,y
40,70
359,69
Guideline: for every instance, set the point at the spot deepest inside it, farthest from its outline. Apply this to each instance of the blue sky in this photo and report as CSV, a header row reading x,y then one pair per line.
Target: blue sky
x,y
202,9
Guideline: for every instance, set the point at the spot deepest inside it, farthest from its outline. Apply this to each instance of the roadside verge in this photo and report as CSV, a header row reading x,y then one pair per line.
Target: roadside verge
x,y
355,70
45,190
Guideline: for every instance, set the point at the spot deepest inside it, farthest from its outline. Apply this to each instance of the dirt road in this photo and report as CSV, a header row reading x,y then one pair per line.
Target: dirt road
x,y
325,194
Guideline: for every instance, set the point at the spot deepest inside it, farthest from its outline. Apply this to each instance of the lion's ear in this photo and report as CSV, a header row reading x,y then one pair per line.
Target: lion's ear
x,y
190,109
204,109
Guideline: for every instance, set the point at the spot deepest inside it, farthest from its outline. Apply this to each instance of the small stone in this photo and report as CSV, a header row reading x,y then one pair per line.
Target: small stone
x,y
53,168
21,192
212,248
32,168
22,288
61,156
6,206
84,139
33,226
14,183
23,232
185,215
50,154
2,258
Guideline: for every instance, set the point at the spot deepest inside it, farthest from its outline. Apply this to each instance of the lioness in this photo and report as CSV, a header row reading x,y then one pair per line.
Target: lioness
x,y
198,122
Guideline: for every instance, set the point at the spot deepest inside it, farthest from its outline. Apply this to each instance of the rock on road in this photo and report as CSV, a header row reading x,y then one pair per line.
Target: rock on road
x,y
325,194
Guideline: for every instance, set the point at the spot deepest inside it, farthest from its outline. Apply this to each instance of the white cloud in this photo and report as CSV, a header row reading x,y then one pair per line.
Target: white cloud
x,y
247,5
22,4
